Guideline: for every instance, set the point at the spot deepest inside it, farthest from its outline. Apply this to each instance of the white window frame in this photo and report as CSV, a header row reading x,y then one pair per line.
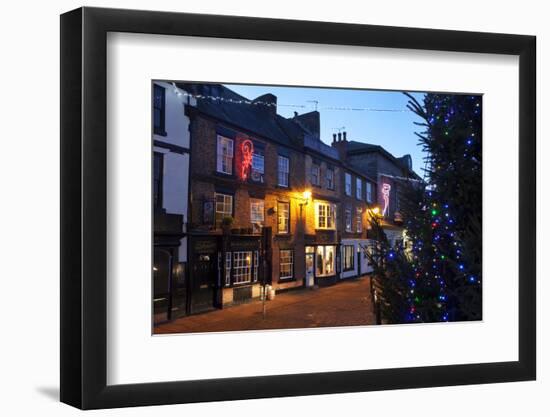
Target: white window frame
x,y
283,170
227,269
348,183
281,216
227,201
224,154
325,215
287,261
242,267
257,211
358,188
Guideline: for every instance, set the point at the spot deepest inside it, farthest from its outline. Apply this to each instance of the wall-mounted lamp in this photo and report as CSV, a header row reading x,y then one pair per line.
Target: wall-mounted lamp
x,y
306,195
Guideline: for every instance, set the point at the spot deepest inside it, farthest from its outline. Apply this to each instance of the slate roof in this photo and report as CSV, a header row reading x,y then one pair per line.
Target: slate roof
x,y
258,119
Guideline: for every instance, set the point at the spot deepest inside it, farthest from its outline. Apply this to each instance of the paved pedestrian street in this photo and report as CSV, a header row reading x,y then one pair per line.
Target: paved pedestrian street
x,y
347,303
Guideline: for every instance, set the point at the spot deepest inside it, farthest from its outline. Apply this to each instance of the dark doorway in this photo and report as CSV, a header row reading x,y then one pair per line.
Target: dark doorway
x,y
162,282
203,282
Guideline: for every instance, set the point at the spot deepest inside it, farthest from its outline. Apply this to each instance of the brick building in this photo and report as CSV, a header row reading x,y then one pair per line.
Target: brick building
x,y
269,203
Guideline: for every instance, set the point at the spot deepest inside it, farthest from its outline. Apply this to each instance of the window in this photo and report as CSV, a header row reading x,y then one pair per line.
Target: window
x,y
349,257
359,220
315,174
358,189
283,214
227,268
225,155
257,212
257,171
158,160
348,219
283,169
348,184
242,267
325,215
286,262
159,110
330,178
369,192
224,206
325,261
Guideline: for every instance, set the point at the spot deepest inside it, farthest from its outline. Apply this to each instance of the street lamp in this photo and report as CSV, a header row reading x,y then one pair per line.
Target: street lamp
x,y
306,195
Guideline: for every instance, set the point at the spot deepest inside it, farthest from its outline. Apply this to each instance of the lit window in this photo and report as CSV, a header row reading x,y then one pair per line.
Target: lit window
x,y
257,171
286,262
325,261
348,219
227,268
348,183
330,178
242,267
348,253
225,155
283,171
257,211
325,215
359,220
315,174
283,214
224,206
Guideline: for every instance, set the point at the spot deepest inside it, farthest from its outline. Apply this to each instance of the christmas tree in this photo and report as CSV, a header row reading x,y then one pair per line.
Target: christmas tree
x,y
437,275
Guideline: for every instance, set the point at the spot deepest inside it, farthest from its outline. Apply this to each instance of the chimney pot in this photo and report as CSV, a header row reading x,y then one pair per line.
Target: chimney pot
x,y
345,134
333,137
339,136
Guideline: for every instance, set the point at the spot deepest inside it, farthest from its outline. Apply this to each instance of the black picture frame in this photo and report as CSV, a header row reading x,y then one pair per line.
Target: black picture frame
x,y
84,207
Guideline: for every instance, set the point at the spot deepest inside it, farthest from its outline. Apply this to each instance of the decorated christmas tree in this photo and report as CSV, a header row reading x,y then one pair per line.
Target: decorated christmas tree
x,y
436,276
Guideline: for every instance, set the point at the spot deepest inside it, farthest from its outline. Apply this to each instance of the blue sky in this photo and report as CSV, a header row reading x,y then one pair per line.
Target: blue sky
x,y
392,130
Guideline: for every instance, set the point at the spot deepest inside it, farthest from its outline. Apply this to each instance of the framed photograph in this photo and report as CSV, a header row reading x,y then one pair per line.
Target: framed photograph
x,y
257,208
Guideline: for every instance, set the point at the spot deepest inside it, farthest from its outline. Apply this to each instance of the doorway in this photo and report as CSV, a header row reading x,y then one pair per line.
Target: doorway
x,y
203,282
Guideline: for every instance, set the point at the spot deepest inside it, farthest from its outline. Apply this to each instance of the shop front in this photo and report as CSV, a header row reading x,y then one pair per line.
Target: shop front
x,y
355,257
322,259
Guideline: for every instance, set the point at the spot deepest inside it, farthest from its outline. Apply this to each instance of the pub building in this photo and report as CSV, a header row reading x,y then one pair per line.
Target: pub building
x,y
246,199
262,200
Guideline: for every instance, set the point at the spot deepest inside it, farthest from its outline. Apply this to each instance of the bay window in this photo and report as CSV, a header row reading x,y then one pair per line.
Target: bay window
x,y
325,215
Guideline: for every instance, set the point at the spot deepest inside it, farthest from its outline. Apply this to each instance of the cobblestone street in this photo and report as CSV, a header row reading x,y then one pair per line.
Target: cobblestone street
x,y
347,303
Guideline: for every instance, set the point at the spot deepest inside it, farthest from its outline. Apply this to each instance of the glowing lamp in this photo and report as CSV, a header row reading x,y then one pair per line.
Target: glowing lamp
x,y
307,194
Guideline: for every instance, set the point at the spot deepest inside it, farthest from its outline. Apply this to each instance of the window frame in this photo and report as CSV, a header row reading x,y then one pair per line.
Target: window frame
x,y
330,209
237,260
257,201
324,249
286,175
345,248
232,196
347,211
161,129
348,188
369,191
279,231
358,220
358,188
331,184
291,263
219,162
317,167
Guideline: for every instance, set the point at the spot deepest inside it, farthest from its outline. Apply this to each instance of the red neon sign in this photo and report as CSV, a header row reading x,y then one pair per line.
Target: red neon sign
x,y
247,150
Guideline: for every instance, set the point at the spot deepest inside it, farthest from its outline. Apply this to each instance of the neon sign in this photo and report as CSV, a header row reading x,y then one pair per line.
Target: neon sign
x,y
386,196
247,150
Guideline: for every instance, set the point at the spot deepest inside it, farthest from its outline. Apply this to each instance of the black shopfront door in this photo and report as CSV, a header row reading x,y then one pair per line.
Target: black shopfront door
x,y
203,280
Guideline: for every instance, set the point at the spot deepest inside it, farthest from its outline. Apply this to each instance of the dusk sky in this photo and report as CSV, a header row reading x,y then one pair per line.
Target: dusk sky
x,y
393,130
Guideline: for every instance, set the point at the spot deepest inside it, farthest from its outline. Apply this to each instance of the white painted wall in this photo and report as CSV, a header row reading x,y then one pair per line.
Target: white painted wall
x,y
358,245
176,123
